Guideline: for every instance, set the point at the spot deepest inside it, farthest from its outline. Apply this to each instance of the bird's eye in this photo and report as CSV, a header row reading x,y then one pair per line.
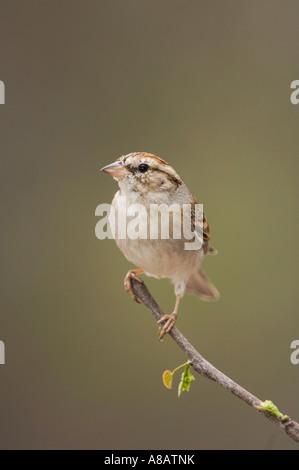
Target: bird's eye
x,y
143,167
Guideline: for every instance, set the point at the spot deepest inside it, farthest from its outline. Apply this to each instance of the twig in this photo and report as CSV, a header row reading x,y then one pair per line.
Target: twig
x,y
204,368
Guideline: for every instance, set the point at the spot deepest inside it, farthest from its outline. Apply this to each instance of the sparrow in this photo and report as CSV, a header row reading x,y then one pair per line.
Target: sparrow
x,y
146,179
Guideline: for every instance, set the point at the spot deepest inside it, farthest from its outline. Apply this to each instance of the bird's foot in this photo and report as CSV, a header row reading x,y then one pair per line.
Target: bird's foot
x,y
132,274
170,321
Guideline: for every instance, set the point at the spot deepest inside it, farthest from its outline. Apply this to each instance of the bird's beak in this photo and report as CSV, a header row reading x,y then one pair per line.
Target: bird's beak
x,y
116,169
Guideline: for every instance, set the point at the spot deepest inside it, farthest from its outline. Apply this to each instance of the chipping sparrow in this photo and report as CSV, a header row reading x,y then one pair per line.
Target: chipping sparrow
x,y
146,179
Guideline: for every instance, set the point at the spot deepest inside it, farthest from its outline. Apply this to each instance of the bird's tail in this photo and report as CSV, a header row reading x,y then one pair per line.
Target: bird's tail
x,y
199,284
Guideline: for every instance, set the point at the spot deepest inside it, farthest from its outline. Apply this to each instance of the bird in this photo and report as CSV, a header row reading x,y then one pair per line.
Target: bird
x,y
147,180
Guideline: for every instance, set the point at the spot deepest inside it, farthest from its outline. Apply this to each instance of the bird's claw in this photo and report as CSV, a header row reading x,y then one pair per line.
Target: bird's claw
x,y
170,321
128,284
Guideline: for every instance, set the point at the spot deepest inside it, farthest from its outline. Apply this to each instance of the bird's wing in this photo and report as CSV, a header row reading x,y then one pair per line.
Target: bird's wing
x,y
201,226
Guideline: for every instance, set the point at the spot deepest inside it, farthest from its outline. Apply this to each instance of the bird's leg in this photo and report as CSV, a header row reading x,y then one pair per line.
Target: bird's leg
x,y
169,319
132,274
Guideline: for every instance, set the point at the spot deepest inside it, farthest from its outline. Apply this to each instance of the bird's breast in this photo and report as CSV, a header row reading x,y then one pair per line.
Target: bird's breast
x,y
156,256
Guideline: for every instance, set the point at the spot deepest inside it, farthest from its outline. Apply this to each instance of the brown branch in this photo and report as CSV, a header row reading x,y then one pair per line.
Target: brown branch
x,y
204,368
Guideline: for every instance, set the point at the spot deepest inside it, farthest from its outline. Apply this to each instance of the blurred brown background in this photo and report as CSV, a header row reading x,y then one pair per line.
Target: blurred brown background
x,y
205,85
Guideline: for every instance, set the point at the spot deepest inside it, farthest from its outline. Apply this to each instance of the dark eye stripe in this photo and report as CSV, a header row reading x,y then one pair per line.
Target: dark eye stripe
x,y
169,177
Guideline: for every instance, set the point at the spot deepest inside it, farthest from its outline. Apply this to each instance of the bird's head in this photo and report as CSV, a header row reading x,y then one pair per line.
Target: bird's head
x,y
143,173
